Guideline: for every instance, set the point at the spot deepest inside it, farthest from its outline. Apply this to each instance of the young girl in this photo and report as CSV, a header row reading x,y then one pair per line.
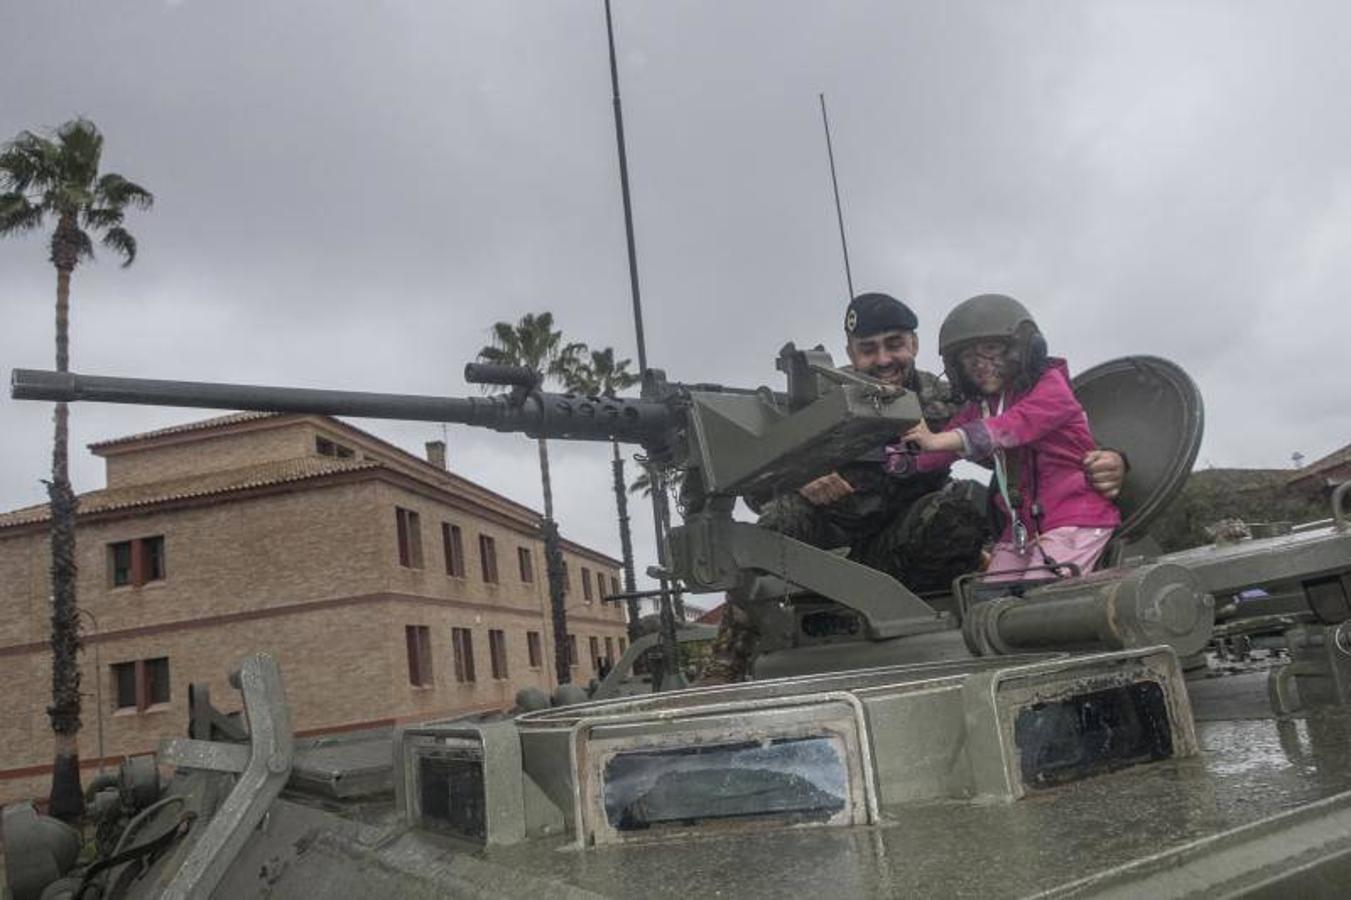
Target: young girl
x,y
1023,419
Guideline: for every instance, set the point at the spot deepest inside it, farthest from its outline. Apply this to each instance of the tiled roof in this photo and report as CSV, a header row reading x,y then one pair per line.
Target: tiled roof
x,y
712,616
200,425
264,474
210,484
236,418
1331,461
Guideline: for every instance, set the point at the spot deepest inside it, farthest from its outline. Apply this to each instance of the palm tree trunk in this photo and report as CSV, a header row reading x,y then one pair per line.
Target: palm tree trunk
x,y
625,540
66,800
553,564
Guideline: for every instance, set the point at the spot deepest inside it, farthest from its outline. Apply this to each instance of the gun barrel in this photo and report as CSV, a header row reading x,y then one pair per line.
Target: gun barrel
x,y
497,373
566,416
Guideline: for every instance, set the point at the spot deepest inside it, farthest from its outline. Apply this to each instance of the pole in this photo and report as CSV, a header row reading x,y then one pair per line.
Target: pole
x,y
839,212
668,639
98,679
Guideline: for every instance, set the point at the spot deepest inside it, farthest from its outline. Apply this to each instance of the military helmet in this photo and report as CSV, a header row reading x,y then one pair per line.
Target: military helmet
x,y
984,318
992,317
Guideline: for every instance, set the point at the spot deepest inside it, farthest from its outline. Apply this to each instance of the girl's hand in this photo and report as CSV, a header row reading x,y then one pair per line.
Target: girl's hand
x,y
921,436
929,441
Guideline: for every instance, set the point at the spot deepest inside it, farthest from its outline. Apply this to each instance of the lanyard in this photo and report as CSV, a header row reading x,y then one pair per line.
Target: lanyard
x,y
1002,479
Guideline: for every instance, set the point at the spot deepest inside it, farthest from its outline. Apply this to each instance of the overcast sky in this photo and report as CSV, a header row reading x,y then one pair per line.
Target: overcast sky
x,y
347,195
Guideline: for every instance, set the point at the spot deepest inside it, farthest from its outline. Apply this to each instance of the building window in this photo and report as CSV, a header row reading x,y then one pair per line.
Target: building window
x,y
527,564
614,585
136,562
325,447
462,646
594,646
610,649
534,648
409,526
600,585
141,684
572,649
419,638
586,584
623,645
487,552
452,542
497,652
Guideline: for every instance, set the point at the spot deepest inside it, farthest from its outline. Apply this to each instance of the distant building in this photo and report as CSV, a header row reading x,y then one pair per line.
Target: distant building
x,y
388,588
710,617
1321,475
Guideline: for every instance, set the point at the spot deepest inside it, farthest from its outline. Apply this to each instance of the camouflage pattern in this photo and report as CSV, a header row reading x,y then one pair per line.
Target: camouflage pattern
x,y
936,397
922,529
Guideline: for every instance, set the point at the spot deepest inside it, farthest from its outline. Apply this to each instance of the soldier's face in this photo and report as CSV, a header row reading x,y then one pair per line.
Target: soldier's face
x,y
887,356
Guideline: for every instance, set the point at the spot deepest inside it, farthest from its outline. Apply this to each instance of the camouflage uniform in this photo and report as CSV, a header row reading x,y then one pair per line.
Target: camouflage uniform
x,y
922,529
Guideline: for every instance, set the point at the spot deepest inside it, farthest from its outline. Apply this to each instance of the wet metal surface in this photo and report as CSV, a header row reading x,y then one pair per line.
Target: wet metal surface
x,y
1251,767
348,766
1248,769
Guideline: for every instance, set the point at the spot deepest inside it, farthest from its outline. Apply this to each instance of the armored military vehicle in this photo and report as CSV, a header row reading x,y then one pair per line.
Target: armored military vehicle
x,y
1173,725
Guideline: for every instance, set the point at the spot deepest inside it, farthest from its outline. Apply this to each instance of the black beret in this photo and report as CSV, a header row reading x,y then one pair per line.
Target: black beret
x,y
871,314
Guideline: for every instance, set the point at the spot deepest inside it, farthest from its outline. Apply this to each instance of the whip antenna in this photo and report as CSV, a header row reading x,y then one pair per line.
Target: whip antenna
x,y
661,513
834,183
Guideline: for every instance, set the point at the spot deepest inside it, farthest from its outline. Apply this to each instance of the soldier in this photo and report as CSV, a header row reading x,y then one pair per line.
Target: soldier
x,y
923,529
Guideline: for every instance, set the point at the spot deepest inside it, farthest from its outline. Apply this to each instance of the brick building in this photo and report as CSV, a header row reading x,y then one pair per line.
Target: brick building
x,y
389,588
1319,477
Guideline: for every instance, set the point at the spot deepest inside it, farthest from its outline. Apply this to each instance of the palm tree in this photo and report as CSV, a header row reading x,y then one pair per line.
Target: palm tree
x,y
534,344
58,179
597,373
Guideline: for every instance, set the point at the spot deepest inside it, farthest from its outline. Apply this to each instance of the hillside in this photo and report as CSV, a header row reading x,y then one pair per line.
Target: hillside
x,y
1254,495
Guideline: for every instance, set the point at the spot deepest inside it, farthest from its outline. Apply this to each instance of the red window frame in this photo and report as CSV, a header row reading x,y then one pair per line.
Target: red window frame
x,y
148,675
408,526
462,648
419,641
487,551
497,652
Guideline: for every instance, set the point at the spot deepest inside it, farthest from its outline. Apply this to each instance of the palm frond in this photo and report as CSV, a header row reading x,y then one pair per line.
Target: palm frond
x,y
573,352
532,342
495,355
642,485
101,217
81,149
29,163
121,241
84,246
504,337
570,367
115,192
65,198
611,376
17,214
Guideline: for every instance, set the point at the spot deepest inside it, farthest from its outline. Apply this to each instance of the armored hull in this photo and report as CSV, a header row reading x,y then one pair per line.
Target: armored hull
x,y
1264,805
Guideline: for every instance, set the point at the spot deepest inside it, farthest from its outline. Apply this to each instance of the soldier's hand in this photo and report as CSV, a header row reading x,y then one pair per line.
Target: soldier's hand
x,y
1106,471
826,489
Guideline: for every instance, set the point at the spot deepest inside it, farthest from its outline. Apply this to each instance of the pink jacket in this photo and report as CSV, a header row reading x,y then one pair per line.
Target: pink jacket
x,y
1044,433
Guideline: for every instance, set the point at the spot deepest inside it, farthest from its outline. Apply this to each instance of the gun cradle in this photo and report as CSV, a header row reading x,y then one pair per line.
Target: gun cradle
x,y
743,444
